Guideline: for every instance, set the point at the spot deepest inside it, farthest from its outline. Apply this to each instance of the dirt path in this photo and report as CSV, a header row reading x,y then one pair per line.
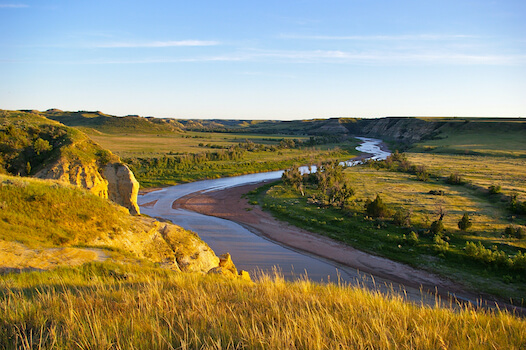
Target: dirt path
x,y
229,204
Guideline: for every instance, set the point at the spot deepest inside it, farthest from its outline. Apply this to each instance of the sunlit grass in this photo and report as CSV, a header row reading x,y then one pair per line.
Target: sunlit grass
x,y
148,145
483,171
48,213
122,307
379,236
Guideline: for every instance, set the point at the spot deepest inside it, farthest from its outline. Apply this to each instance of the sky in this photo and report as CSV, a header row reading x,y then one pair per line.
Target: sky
x,y
297,59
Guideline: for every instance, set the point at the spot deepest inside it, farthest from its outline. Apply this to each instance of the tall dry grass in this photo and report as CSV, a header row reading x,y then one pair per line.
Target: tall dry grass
x,y
118,308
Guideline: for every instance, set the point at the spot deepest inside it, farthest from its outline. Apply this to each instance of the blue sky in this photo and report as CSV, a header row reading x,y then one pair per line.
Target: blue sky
x,y
283,59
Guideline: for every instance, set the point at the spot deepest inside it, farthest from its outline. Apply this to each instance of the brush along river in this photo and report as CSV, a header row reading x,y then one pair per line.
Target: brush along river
x,y
269,245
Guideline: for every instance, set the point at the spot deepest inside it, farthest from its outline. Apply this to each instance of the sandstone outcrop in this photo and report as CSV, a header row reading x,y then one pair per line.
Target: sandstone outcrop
x,y
115,181
227,268
122,187
85,175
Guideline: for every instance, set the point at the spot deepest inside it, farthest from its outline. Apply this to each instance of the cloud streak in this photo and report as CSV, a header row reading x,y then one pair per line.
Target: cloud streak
x,y
412,37
331,57
159,44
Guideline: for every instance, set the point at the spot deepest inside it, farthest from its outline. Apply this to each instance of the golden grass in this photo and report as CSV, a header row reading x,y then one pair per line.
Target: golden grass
x,y
14,255
509,173
402,190
148,145
165,310
50,213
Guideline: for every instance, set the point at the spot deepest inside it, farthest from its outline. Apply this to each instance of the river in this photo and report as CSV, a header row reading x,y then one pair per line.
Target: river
x,y
251,252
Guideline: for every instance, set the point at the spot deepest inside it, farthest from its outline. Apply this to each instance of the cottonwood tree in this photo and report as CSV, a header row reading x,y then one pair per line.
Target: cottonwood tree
x,y
294,178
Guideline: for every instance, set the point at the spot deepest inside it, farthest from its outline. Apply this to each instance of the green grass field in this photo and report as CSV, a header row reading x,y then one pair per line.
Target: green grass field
x,y
479,141
157,145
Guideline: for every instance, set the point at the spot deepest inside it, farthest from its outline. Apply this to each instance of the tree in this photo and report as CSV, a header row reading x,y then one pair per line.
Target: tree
x,y
340,193
402,217
41,146
376,208
437,227
293,178
465,222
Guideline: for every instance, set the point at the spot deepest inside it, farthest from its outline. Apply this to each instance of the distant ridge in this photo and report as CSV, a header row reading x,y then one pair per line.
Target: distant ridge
x,y
401,129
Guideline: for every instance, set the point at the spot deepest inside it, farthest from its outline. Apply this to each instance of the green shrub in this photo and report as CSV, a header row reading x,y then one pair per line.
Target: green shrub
x,y
41,146
402,218
495,257
422,173
515,231
437,227
376,208
455,179
441,245
517,206
437,192
464,222
413,238
494,189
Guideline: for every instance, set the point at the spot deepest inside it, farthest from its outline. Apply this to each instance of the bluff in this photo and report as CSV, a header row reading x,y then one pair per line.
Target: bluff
x,y
32,145
42,223
409,130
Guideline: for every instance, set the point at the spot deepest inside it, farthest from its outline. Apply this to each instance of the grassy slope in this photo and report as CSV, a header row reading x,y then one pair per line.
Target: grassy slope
x,y
129,305
19,132
109,124
38,216
490,138
124,306
48,213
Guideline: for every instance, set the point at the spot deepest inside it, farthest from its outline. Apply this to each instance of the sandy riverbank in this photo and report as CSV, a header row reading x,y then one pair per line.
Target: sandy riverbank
x,y
229,204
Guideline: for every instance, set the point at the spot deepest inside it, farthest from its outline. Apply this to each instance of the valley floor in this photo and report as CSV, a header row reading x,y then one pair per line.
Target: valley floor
x,y
230,205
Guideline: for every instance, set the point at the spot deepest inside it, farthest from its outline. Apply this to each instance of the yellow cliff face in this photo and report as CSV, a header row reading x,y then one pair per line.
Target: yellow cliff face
x,y
115,181
122,187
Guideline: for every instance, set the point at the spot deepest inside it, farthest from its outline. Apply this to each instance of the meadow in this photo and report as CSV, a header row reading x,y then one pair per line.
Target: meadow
x,y
130,301
109,305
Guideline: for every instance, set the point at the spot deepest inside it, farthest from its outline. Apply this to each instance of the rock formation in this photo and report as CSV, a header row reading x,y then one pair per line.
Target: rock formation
x,y
115,181
227,268
122,186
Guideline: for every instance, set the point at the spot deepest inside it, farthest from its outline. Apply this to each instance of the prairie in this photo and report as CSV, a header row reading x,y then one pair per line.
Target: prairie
x,y
131,300
126,306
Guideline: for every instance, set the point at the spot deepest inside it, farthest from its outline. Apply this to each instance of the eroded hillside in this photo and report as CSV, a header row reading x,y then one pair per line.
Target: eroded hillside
x,y
32,145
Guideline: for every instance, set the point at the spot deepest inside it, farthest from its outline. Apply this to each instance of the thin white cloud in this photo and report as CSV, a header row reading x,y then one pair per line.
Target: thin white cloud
x,y
411,37
153,44
332,57
13,6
